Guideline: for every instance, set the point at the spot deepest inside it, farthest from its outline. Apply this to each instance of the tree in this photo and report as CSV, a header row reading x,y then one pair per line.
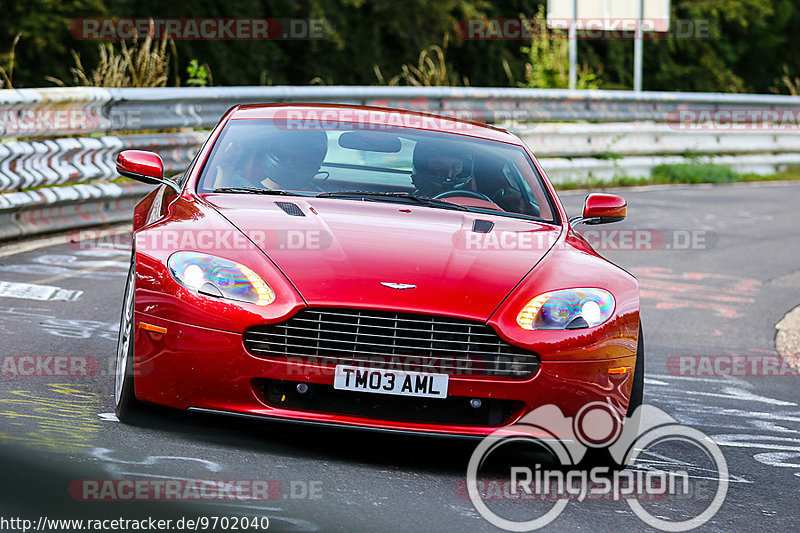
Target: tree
x,y
752,46
44,43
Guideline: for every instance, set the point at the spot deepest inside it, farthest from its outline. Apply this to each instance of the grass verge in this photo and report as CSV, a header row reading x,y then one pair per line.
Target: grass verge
x,y
680,173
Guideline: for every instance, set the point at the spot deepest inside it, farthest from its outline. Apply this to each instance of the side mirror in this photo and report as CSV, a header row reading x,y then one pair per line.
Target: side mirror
x,y
143,166
601,208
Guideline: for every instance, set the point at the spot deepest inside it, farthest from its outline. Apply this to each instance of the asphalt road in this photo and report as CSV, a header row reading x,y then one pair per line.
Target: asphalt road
x,y
719,295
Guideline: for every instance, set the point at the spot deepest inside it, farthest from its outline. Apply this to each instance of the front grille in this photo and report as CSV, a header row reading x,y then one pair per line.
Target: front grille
x,y
384,339
455,411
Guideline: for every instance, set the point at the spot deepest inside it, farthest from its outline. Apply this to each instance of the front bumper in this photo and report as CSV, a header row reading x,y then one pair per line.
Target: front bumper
x,y
191,367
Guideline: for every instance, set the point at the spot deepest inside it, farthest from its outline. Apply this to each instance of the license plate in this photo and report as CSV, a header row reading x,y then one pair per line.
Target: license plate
x,y
417,384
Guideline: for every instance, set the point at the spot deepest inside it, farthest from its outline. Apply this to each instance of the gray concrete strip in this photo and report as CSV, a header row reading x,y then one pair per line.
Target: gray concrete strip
x,y
14,248
673,186
787,339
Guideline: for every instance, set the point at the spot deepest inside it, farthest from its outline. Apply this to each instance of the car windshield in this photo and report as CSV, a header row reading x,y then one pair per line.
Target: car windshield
x,y
377,163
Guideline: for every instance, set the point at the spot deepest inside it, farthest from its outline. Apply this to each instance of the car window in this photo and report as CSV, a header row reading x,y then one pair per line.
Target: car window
x,y
481,175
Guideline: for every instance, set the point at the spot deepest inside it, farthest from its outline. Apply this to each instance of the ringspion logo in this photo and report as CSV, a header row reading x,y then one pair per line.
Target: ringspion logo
x,y
568,440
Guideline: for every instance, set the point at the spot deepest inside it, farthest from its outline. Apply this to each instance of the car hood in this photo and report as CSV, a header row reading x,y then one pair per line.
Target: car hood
x,y
343,253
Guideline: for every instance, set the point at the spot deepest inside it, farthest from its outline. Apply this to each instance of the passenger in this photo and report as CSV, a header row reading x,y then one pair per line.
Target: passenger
x,y
288,160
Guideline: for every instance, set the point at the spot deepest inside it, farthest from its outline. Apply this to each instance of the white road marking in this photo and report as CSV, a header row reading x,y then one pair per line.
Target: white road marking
x,y
779,459
768,442
733,393
102,454
766,425
80,329
771,438
650,460
717,380
108,417
70,261
24,313
28,291
59,272
103,252
781,417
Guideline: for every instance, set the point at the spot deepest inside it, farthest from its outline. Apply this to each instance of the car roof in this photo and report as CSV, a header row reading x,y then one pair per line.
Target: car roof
x,y
326,115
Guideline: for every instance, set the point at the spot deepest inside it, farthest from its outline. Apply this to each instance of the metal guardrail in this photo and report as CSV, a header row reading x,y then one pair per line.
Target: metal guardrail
x,y
24,214
74,160
194,107
648,138
110,110
583,128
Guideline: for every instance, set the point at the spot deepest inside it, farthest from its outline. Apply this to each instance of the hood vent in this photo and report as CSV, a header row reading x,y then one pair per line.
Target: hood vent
x,y
291,209
482,226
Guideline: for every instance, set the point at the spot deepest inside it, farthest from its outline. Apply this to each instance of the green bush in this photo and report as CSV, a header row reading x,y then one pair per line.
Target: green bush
x,y
598,183
694,173
547,64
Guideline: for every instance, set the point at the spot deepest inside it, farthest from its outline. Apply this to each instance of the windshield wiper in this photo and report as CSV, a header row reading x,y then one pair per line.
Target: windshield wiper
x,y
254,190
383,196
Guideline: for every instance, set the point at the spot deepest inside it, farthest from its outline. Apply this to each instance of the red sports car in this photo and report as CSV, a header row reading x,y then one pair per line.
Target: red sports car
x,y
370,268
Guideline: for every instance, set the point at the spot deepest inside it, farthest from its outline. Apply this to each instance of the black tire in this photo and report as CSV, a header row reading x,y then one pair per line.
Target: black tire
x,y
601,456
126,406
637,391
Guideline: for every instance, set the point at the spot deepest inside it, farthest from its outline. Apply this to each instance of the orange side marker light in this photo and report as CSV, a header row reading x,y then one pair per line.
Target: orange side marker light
x,y
150,327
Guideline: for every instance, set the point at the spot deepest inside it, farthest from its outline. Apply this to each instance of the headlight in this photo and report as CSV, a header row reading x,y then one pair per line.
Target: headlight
x,y
219,277
567,309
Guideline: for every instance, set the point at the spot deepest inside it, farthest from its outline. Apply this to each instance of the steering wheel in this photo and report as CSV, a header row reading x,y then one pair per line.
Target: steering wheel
x,y
462,192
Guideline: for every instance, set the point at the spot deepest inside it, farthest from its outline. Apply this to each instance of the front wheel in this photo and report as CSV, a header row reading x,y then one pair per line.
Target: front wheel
x,y
125,404
637,390
602,456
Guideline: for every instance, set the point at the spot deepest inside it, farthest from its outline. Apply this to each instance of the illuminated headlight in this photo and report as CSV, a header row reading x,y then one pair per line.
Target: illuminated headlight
x,y
567,309
214,276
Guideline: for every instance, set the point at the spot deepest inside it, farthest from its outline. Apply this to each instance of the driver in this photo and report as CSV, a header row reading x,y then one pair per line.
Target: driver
x,y
439,167
288,160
